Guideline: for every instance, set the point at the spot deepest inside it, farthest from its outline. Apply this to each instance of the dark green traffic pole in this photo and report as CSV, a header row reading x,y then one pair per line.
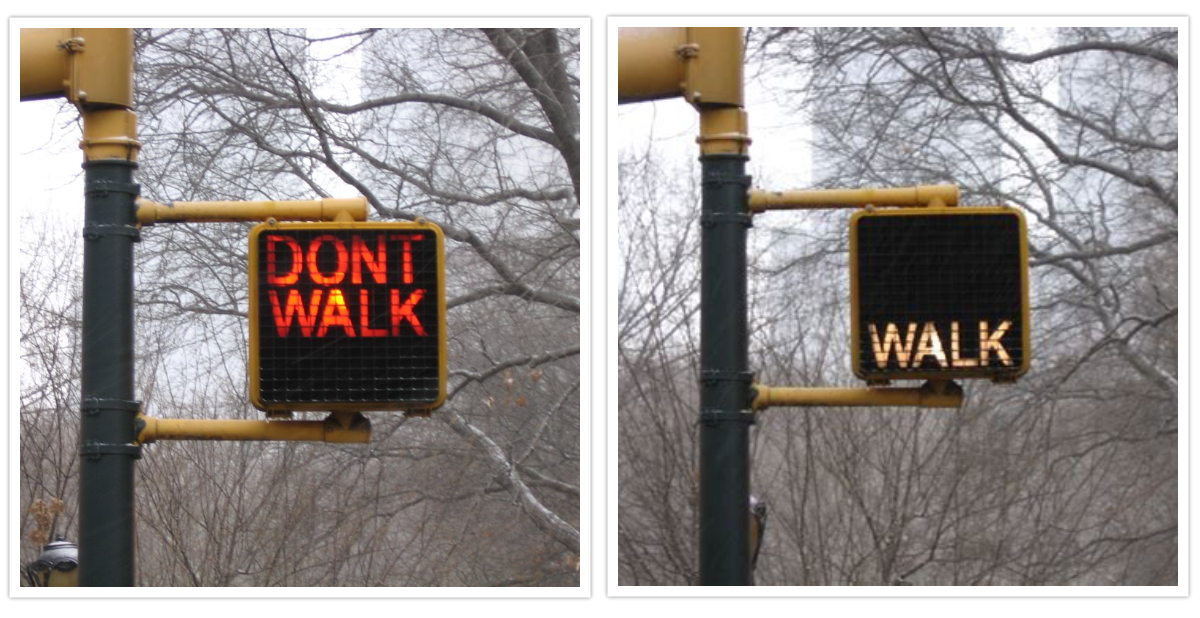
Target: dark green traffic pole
x,y
724,373
107,432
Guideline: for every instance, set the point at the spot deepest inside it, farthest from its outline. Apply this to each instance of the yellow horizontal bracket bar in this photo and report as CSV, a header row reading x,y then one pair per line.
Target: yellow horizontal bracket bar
x,y
922,196
149,213
337,428
930,395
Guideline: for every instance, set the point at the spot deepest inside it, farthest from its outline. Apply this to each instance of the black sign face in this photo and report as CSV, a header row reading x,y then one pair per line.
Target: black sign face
x,y
347,316
939,293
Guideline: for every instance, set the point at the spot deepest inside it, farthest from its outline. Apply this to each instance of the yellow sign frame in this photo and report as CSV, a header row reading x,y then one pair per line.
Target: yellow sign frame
x,y
254,363
1008,374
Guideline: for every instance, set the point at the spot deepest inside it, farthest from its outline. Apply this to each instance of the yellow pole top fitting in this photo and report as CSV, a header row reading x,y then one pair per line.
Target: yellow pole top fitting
x,y
110,134
704,65
723,130
93,68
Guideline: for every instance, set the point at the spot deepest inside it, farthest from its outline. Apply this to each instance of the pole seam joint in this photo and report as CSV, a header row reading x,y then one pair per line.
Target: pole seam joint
x,y
101,188
740,218
709,376
96,231
96,450
713,416
95,405
720,178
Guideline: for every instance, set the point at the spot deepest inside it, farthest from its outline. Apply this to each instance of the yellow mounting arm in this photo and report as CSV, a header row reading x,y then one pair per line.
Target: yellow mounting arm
x,y
927,195
338,427
930,395
149,213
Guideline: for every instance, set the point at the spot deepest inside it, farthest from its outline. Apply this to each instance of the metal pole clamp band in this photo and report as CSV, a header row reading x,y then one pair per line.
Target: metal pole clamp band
x,y
96,450
711,417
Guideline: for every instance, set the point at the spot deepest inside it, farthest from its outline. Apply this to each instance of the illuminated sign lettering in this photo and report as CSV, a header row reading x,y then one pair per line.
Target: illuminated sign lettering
x,y
347,316
930,345
939,293
335,311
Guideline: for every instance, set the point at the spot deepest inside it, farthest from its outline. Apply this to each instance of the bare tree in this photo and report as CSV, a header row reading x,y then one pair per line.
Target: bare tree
x,y
1078,127
50,314
657,298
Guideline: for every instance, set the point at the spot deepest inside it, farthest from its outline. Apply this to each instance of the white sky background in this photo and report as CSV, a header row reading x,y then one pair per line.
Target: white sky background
x,y
46,177
780,159
45,169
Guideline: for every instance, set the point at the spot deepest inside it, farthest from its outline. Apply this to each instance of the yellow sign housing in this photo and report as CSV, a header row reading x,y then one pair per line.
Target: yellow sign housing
x,y
347,316
939,294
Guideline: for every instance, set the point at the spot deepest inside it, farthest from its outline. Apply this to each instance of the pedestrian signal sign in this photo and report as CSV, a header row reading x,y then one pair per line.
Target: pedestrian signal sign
x,y
347,316
939,293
